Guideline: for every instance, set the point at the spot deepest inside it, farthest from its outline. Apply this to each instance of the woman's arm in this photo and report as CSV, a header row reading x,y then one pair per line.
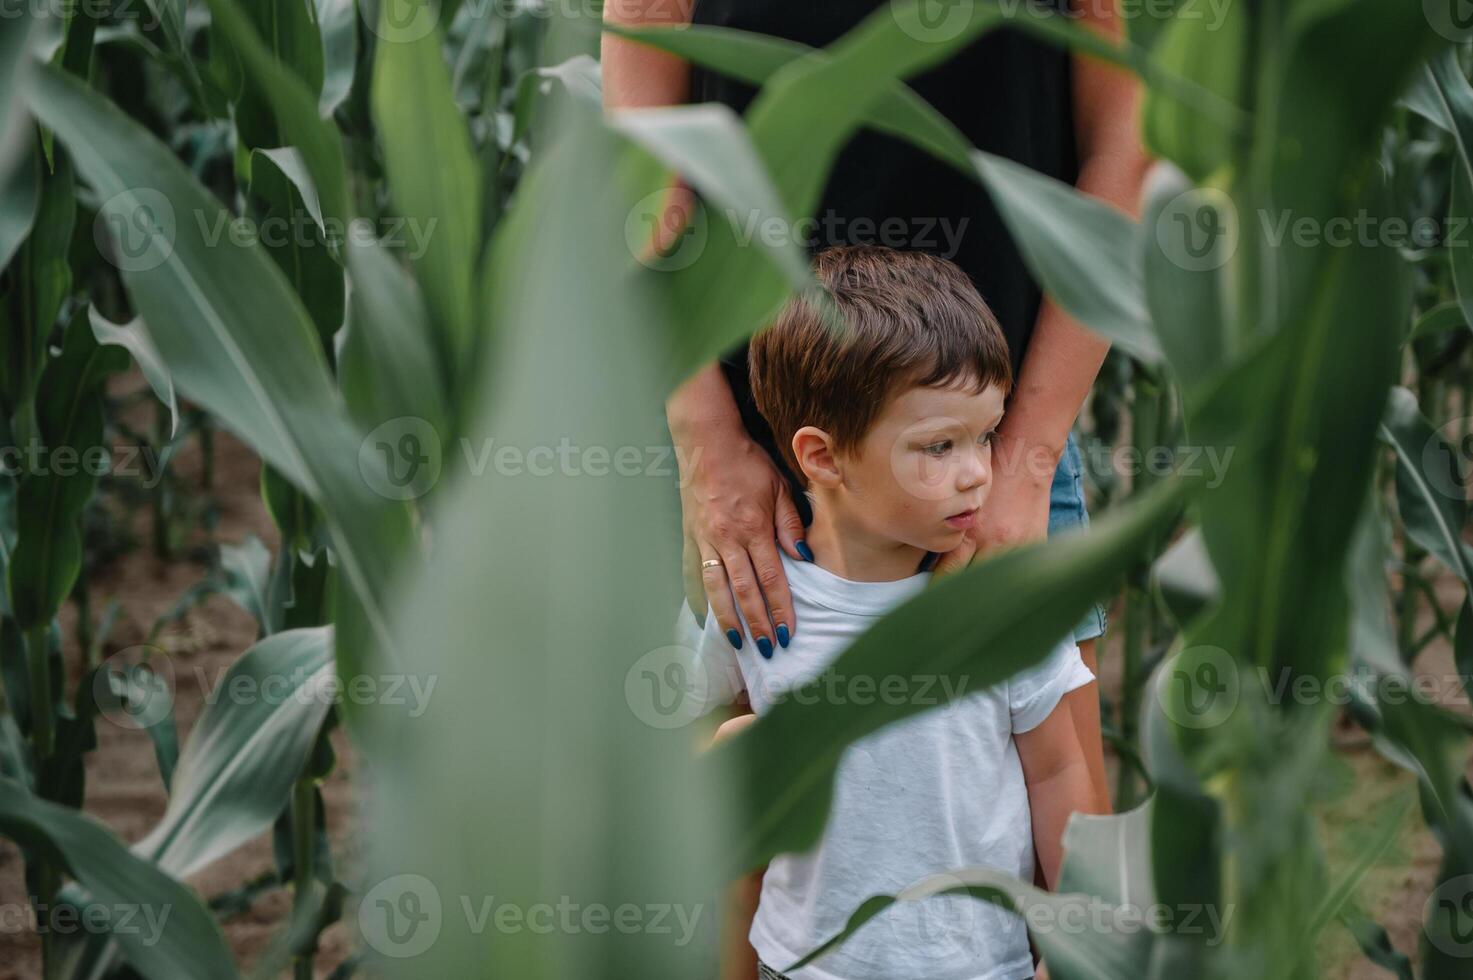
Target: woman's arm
x,y
1063,357
734,502
636,74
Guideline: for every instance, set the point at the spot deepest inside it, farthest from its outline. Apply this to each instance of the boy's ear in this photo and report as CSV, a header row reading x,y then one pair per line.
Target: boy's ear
x,y
814,451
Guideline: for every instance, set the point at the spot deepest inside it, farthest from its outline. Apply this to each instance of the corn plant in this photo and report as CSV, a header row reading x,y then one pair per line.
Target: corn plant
x,y
355,368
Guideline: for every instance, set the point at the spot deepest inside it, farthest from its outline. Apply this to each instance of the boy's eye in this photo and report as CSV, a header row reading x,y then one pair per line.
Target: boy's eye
x,y
937,448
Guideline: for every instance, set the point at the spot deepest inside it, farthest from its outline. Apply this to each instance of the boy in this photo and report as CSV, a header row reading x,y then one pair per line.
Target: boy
x,y
889,426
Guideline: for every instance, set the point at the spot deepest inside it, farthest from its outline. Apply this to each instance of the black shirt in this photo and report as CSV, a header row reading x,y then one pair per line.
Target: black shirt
x,y
1008,93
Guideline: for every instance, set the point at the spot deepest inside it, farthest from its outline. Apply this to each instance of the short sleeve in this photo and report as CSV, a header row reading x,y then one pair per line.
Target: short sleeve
x,y
715,676
1034,693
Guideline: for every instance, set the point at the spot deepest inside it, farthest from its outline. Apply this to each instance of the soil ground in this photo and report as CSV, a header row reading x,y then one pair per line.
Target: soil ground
x,y
124,789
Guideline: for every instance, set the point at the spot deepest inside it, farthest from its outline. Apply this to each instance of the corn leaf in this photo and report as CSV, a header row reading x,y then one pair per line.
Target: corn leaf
x,y
233,335
131,889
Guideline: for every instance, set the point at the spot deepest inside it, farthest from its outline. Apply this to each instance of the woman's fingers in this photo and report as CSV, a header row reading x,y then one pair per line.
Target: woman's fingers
x,y
957,558
789,527
718,593
690,573
774,584
742,578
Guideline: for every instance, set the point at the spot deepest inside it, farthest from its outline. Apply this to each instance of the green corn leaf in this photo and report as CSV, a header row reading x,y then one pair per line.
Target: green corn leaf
x,y
133,337
1440,319
245,751
986,623
709,148
1429,488
1419,737
1451,97
186,941
292,234
295,109
233,335
554,566
48,554
1071,953
245,573
338,21
1081,250
433,179
387,362
20,197
1186,239
1338,69
1374,941
16,137
1184,578
1211,54
288,30
754,58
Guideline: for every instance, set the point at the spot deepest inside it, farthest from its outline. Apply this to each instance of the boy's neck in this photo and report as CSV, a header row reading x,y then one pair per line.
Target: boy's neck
x,y
856,555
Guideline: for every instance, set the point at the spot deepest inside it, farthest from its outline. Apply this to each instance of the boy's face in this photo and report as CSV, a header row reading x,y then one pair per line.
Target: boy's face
x,y
924,468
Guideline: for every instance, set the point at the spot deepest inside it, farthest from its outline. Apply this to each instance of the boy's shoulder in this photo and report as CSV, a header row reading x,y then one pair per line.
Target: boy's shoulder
x,y
834,596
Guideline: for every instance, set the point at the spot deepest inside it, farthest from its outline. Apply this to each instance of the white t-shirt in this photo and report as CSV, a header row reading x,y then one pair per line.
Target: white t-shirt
x,y
937,791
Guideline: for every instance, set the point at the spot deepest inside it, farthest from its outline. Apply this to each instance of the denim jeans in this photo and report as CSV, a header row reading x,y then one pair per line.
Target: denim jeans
x,y
1066,511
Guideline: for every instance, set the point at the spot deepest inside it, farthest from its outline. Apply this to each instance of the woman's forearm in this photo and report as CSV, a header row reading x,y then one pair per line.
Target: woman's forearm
x,y
1060,367
701,407
636,74
1064,357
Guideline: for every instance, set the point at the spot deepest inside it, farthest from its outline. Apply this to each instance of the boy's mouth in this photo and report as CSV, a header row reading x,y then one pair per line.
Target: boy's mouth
x,y
963,520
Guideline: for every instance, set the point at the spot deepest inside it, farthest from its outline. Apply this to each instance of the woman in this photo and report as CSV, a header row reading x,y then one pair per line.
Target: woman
x,y
1071,118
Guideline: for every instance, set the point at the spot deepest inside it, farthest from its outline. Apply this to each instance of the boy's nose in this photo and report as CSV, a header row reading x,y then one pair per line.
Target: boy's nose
x,y
976,471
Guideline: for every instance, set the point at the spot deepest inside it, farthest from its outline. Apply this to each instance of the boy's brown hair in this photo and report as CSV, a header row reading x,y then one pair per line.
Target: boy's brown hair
x,y
915,320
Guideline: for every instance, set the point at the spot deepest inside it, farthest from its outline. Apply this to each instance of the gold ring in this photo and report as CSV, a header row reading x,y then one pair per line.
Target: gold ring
x,y
711,563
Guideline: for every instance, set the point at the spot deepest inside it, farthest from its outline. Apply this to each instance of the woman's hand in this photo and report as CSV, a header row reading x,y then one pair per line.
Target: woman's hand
x,y
736,509
1017,507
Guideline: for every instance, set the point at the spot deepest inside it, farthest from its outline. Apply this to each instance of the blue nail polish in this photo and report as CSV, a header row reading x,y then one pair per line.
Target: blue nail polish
x,y
782,635
734,638
807,554
764,647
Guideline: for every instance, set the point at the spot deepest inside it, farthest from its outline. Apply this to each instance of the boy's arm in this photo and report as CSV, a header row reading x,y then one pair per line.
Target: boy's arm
x,y
1058,784
738,958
